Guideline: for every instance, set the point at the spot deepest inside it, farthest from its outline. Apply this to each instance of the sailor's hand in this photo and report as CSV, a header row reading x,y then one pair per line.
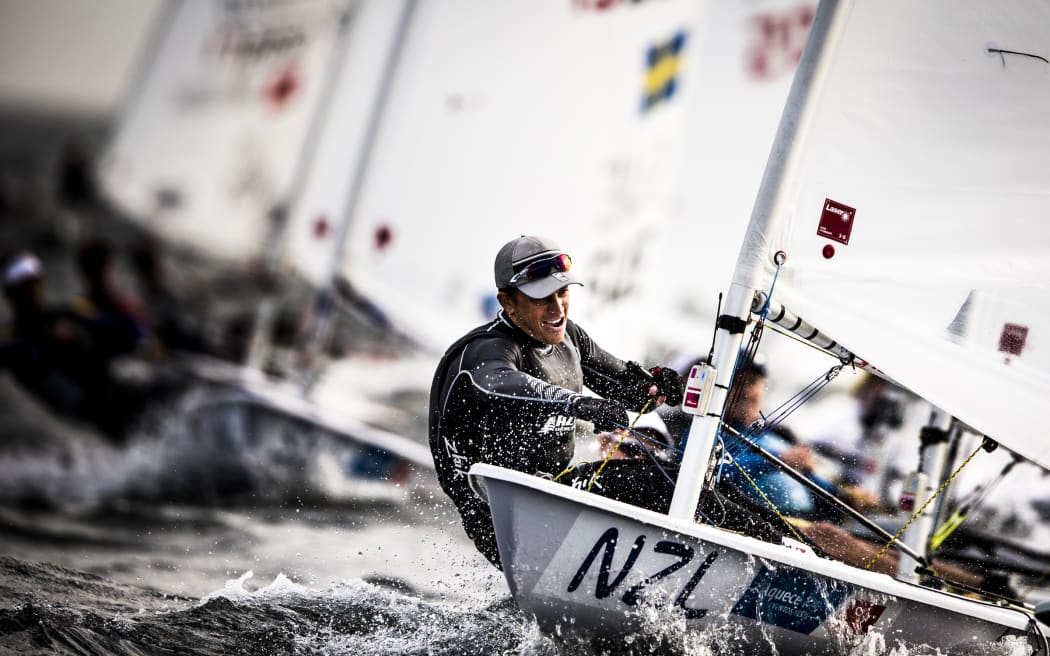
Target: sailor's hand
x,y
667,386
652,388
605,414
860,498
799,457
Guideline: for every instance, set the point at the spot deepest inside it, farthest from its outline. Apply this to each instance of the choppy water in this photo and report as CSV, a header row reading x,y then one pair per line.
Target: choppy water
x,y
159,547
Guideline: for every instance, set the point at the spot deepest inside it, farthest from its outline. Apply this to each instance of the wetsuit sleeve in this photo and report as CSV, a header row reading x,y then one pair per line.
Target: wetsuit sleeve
x,y
491,366
608,375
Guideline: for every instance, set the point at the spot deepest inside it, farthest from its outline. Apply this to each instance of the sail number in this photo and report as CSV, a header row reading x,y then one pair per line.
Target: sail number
x,y
608,583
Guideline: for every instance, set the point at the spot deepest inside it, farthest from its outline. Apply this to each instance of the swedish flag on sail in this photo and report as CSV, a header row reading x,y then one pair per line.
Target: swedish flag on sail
x,y
662,70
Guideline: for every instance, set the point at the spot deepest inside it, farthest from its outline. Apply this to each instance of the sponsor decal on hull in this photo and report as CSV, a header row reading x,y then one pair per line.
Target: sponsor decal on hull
x,y
790,599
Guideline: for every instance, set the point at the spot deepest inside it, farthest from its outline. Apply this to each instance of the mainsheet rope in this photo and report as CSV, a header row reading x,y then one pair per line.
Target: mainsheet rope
x,y
942,488
608,457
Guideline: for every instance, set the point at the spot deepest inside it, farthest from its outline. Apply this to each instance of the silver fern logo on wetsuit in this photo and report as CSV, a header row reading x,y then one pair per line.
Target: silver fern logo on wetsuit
x,y
543,390
557,424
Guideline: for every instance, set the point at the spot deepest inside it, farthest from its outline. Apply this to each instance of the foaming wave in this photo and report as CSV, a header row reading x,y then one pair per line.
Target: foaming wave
x,y
358,617
198,452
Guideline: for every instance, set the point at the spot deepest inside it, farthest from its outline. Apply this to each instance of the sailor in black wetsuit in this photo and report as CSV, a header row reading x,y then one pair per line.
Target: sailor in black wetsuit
x,y
509,392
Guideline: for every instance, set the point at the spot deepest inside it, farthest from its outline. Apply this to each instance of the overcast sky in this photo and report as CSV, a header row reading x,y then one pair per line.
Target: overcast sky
x,y
71,55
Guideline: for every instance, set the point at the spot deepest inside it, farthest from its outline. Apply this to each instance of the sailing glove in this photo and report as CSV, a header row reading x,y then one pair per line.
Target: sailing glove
x,y
636,393
605,414
669,382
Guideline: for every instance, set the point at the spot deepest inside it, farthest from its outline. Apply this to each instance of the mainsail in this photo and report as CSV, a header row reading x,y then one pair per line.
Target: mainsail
x,y
894,206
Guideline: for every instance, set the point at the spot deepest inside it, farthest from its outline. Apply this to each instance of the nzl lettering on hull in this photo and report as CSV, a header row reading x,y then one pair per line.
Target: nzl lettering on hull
x,y
610,566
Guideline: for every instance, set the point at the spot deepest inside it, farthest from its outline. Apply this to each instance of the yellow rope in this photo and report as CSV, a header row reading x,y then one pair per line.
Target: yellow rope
x,y
769,502
954,522
616,448
564,472
919,512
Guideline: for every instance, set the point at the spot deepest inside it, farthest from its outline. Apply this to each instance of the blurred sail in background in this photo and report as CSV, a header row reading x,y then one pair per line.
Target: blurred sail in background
x,y
403,161
209,148
604,127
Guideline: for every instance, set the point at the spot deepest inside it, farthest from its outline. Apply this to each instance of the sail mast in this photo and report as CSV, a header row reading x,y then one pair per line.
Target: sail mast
x,y
748,274
323,305
275,249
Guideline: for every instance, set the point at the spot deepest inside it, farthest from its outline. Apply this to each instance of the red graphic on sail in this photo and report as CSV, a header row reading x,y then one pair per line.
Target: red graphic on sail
x,y
285,86
836,221
1012,339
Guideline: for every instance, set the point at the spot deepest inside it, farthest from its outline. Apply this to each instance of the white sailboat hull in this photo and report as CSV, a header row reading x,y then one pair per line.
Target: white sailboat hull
x,y
617,569
243,417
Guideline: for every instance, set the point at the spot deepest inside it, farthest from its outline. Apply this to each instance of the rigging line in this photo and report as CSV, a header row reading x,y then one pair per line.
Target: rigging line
x,y
919,512
1014,52
827,496
749,352
803,396
961,513
714,332
616,448
769,503
641,437
779,260
782,412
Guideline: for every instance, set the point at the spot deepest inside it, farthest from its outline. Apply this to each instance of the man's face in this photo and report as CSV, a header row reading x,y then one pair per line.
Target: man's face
x,y
542,319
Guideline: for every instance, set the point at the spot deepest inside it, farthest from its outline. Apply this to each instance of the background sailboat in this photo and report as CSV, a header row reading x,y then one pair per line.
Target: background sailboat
x,y
212,154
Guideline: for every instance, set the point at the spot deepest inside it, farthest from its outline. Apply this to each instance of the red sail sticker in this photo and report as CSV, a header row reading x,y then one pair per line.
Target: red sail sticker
x,y
836,221
1012,339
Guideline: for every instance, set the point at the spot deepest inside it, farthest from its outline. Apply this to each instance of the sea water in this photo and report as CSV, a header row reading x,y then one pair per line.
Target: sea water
x,y
107,549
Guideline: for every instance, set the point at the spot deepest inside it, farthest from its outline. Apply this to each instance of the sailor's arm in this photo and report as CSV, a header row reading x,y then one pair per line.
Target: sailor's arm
x,y
626,381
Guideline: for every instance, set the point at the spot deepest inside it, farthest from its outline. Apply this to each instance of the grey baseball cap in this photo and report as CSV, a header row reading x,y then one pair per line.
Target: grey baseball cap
x,y
518,254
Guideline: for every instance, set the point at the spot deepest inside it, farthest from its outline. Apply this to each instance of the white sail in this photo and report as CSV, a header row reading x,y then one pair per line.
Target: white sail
x,y
210,145
917,178
511,118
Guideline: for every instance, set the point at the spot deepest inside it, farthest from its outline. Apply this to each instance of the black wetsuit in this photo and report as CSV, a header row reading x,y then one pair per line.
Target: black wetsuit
x,y
501,397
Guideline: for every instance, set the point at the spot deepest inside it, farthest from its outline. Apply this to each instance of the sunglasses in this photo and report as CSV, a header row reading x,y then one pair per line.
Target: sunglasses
x,y
541,269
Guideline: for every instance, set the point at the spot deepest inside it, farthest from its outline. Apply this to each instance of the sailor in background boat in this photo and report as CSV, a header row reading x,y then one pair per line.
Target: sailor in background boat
x,y
784,492
107,304
63,358
509,392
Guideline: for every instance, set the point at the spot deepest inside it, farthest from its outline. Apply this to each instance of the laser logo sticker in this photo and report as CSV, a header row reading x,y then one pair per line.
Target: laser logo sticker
x,y
836,221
